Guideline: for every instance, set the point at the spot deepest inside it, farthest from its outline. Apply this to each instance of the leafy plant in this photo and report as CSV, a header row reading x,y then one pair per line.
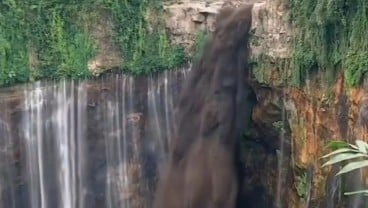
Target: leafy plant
x,y
347,152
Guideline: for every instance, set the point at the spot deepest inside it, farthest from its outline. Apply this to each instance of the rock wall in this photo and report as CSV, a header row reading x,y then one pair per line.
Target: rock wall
x,y
269,24
315,114
271,33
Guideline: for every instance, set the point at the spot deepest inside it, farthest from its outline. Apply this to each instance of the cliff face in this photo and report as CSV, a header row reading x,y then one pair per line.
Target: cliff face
x,y
291,125
314,114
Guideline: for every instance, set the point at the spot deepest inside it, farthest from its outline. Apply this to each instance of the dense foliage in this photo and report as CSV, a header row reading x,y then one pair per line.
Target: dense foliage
x,y
49,38
330,35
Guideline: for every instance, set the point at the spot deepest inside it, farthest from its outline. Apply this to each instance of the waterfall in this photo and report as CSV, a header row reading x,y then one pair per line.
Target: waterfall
x,y
94,143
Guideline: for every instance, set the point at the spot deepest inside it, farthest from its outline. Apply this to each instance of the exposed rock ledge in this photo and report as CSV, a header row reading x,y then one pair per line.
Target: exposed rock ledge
x,y
186,17
270,27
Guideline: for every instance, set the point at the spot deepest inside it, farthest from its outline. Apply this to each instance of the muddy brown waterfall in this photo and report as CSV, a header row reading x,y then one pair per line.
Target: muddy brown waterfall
x,y
213,108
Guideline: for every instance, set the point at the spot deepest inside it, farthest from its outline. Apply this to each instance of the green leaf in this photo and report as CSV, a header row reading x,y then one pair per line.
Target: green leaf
x,y
342,157
353,166
334,145
339,151
364,192
362,146
354,147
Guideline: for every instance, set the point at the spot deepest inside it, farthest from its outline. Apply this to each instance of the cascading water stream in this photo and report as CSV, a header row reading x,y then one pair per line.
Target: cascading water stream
x,y
34,146
284,153
53,124
91,144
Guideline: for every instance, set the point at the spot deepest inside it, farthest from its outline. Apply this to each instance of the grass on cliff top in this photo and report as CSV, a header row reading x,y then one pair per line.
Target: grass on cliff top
x,y
330,35
44,39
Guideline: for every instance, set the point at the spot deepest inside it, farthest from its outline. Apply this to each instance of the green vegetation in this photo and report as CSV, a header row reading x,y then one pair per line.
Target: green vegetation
x,y
279,126
48,39
262,64
357,155
45,32
142,37
301,186
330,35
201,39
